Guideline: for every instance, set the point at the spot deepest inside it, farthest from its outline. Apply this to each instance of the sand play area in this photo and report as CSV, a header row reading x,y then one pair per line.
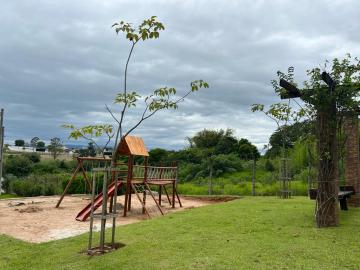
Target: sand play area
x,y
36,219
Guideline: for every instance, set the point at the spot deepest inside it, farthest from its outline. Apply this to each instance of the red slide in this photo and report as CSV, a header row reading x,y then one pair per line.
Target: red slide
x,y
85,213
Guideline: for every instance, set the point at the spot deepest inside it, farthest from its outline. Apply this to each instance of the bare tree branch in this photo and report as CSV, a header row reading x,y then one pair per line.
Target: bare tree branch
x,y
111,113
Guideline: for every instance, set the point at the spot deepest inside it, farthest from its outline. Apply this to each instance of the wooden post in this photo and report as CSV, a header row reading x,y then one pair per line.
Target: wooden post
x,y
113,208
68,185
103,212
160,190
145,181
129,200
253,176
173,194
1,145
112,197
175,186
128,184
91,214
84,174
167,194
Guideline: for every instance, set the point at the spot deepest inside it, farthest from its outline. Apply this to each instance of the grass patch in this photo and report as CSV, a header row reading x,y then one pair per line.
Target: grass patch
x,y
250,233
8,196
223,186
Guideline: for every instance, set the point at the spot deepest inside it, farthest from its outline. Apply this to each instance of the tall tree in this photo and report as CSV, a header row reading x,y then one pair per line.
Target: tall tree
x,y
19,142
34,142
248,151
40,146
55,147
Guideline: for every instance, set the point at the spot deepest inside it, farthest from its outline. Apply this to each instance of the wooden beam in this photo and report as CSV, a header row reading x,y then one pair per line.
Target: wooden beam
x,y
152,195
68,185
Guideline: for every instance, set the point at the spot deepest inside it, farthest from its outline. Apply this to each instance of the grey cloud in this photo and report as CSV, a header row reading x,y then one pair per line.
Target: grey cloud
x,y
61,61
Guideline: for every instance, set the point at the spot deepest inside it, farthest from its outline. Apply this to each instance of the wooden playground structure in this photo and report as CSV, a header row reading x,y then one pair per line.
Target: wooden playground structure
x,y
134,178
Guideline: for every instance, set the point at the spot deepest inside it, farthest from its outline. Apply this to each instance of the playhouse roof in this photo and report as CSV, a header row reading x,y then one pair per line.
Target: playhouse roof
x,y
132,145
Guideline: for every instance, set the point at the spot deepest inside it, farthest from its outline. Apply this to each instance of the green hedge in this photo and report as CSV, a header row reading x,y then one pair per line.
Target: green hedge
x,y
36,185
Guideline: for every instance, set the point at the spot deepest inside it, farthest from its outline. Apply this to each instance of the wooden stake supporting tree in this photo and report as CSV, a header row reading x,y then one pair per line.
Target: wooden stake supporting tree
x,y
282,114
327,96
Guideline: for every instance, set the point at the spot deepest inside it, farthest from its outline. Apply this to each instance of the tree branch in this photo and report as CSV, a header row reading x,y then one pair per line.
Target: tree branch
x,y
143,117
111,113
91,140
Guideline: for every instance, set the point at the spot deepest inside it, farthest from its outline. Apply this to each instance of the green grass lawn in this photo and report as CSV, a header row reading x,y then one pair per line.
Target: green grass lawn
x,y
8,196
250,233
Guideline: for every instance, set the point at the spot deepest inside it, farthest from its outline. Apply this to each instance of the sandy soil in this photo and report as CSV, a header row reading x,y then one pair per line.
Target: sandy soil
x,y
37,220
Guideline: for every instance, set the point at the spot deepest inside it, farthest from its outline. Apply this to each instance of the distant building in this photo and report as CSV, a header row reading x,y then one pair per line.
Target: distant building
x,y
25,149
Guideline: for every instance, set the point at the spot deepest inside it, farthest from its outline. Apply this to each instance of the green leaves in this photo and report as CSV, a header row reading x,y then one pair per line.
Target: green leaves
x,y
161,98
90,131
196,85
128,99
257,107
164,91
279,112
346,74
148,29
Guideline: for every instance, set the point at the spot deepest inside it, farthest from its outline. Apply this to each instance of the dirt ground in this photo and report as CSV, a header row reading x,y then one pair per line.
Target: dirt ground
x,y
36,219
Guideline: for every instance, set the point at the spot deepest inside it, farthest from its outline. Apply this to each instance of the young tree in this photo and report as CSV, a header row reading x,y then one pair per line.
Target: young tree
x,y
282,114
55,147
160,99
248,151
34,142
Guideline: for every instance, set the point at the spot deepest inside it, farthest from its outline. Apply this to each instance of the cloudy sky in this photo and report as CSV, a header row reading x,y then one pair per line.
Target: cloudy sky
x,y
61,62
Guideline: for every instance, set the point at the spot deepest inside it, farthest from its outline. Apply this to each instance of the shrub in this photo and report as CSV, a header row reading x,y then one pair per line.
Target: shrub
x,y
33,157
267,178
46,167
17,165
36,185
6,184
26,188
269,166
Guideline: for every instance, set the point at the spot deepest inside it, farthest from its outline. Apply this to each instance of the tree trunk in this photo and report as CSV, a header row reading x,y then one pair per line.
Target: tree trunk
x,y
326,202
